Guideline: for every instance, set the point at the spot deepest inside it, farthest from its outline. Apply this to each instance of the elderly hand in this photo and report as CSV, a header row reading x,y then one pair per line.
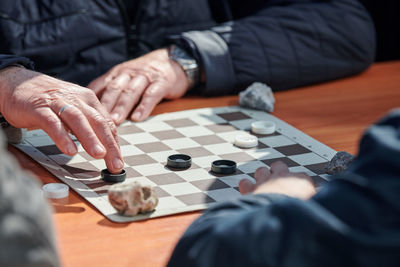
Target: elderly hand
x,y
138,85
279,180
31,99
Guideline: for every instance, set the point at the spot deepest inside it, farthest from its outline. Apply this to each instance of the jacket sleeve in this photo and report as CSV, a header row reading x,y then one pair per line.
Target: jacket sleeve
x,y
8,60
352,221
286,44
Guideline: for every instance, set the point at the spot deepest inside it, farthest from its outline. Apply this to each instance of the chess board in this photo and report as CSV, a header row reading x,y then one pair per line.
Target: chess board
x,y
204,134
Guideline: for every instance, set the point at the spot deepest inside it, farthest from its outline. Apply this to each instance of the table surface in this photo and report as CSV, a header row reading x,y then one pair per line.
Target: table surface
x,y
335,113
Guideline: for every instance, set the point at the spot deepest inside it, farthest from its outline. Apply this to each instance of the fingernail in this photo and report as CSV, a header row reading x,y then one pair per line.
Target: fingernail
x,y
98,150
137,115
71,149
115,116
118,164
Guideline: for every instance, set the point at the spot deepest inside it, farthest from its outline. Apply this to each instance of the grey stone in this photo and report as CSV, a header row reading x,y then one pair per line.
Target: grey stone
x,y
257,96
131,198
339,162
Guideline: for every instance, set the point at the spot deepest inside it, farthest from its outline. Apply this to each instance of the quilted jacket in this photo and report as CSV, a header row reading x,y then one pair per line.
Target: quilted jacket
x,y
284,43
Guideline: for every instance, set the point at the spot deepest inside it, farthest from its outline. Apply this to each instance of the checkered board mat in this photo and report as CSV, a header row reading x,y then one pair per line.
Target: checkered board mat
x,y
204,134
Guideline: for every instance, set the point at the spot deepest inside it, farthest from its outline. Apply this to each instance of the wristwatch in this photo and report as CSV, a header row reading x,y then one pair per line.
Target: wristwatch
x,y
187,62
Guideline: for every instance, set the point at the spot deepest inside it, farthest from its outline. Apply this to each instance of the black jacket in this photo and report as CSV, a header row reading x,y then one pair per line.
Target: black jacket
x,y
284,43
353,221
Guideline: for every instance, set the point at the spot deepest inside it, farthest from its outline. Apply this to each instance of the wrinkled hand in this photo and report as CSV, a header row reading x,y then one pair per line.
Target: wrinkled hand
x,y
138,85
30,99
279,180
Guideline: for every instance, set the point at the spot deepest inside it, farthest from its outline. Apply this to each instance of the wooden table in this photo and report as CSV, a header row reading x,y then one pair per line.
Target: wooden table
x,y
335,113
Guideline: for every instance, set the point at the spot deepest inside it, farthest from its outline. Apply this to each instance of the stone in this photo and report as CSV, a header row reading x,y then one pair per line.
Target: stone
x,y
131,198
339,162
257,96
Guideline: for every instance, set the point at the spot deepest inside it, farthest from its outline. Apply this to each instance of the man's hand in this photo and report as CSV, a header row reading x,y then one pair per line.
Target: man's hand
x,y
30,99
138,85
279,180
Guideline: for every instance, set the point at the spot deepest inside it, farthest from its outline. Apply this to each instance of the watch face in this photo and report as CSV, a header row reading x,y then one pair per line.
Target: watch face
x,y
188,63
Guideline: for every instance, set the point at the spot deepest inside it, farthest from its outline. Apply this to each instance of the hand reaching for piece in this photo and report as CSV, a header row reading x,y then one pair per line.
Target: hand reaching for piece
x,y
138,85
31,99
279,180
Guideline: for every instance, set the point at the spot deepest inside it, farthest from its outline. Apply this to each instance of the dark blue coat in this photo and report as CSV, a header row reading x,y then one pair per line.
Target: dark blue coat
x,y
353,221
284,43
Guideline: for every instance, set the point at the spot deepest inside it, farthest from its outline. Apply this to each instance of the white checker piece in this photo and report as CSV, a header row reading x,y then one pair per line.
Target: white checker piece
x,y
185,195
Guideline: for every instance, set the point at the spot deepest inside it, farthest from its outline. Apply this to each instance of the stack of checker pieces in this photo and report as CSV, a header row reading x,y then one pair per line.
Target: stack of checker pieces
x,y
204,134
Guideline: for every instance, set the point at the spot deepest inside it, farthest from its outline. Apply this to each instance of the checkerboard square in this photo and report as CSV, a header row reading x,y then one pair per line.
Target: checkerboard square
x,y
180,123
131,173
220,128
276,141
194,131
194,175
195,199
265,153
130,150
243,124
151,169
307,159
142,180
136,160
285,160
63,159
223,148
195,152
153,147
204,162
166,178
233,116
238,157
140,138
168,134
250,167
301,169
82,168
180,189
233,180
169,203
181,143
225,194
49,150
159,192
210,184
153,126
318,168
207,119
128,129
290,150
162,156
42,140
122,141
208,140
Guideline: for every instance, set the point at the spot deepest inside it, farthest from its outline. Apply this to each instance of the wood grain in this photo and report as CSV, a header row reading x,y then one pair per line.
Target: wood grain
x,y
335,113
